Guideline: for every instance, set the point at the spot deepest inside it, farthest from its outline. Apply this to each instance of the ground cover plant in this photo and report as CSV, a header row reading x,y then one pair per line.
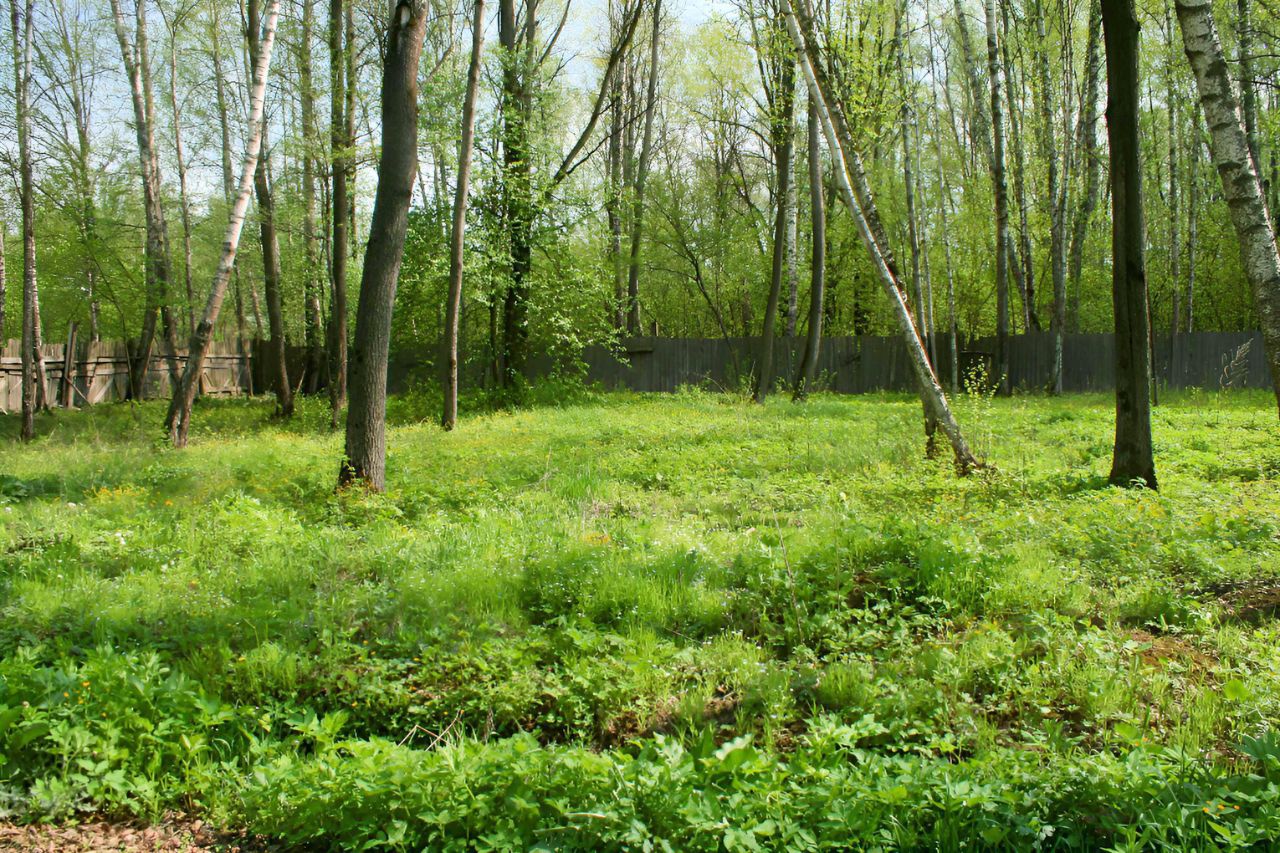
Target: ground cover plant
x,y
623,622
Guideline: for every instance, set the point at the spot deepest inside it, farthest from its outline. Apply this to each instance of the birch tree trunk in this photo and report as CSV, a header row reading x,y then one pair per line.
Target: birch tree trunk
x,y
1133,460
1228,142
366,449
179,418
271,274
457,238
930,391
818,258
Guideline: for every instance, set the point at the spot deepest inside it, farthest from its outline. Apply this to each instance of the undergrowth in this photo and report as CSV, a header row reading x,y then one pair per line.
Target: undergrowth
x,y
676,623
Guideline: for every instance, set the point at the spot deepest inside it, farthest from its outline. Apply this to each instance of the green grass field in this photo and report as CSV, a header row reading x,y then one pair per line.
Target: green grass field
x,y
667,623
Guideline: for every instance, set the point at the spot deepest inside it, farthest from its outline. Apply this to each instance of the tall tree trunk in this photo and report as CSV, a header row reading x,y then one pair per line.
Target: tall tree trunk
x,y
339,145
366,451
1228,142
224,123
944,205
1022,262
81,109
1087,143
1001,203
908,177
842,153
179,419
457,237
23,30
517,182
793,260
613,206
183,196
782,140
1057,201
1175,213
1133,461
157,253
312,282
3,285
1248,86
1193,216
634,324
818,258
271,274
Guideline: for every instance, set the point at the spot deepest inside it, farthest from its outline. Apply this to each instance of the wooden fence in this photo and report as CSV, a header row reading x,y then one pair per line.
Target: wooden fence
x,y
868,364
99,372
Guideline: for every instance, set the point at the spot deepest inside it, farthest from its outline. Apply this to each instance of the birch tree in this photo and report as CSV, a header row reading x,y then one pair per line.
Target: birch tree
x,y
843,153
178,422
1235,162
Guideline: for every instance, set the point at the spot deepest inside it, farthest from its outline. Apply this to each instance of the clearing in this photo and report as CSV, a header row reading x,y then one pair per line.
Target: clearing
x,y
685,622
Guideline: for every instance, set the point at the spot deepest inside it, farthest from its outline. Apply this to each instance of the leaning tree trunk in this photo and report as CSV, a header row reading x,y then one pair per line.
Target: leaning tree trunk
x,y
930,391
366,450
457,237
1228,142
339,143
179,419
271,274
1001,202
818,258
1133,461
22,38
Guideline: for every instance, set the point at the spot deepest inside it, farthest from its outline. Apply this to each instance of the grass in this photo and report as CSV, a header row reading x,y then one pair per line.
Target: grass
x,y
626,622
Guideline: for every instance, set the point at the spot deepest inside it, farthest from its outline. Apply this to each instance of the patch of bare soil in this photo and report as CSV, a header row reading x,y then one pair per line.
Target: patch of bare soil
x,y
172,836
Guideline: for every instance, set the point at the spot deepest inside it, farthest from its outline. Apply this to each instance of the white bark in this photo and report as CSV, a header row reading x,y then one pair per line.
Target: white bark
x,y
930,391
184,396
1228,143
